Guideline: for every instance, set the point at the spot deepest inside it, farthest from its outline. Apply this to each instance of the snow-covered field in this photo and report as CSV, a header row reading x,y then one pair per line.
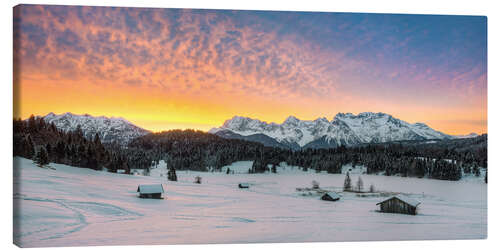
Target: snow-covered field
x,y
77,207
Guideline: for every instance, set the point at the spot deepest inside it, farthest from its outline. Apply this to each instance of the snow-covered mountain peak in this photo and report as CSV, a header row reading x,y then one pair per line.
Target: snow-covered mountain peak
x,y
344,129
363,115
291,120
321,120
342,115
110,130
240,123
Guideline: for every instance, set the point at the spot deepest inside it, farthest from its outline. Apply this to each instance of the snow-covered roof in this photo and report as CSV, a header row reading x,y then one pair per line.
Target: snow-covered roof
x,y
150,189
333,195
403,199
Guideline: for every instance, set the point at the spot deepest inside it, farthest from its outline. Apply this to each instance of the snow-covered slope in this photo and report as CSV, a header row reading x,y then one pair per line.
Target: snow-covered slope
x,y
109,129
72,206
343,129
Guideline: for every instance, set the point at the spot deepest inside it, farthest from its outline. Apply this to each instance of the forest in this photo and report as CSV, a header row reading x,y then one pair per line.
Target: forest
x,y
201,151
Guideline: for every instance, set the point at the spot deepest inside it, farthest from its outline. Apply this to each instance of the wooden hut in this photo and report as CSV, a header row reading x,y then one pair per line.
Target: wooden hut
x,y
150,191
330,196
243,185
399,204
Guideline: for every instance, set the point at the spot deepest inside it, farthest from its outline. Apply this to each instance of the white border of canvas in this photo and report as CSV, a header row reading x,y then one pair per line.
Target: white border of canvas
x,y
477,7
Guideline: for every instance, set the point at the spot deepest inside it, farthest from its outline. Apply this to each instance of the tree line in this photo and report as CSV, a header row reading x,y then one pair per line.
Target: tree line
x,y
196,150
201,151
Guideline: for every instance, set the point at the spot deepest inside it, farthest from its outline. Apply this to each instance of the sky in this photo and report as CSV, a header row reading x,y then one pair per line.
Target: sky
x,y
182,68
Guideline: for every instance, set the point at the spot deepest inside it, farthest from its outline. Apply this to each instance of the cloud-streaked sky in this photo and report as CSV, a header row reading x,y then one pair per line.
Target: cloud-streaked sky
x,y
174,68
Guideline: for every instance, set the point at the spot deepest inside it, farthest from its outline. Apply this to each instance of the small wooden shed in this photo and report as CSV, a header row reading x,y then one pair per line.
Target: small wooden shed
x,y
150,191
399,204
243,185
330,196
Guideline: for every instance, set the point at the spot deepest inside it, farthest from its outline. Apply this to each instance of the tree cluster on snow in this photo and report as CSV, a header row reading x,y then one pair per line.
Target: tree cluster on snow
x,y
445,161
70,148
194,150
41,157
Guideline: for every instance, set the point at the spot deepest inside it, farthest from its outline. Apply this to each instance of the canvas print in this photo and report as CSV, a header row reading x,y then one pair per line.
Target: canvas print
x,y
190,126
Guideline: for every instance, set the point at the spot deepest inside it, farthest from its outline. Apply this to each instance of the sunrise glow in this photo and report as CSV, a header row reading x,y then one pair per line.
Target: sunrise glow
x,y
168,68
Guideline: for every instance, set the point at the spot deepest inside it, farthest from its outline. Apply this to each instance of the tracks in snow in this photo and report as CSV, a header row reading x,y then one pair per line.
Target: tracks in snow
x,y
82,213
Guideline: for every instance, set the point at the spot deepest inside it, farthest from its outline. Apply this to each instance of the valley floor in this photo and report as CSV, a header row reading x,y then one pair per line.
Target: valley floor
x,y
78,207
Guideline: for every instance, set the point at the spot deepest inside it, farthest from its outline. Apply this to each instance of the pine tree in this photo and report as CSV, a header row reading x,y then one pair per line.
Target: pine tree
x,y
41,157
60,151
476,170
347,183
48,147
97,140
30,148
171,175
372,188
147,171
273,169
228,171
197,180
359,184
32,123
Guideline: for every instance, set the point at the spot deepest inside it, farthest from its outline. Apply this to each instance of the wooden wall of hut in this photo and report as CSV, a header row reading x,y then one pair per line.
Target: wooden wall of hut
x,y
397,206
151,196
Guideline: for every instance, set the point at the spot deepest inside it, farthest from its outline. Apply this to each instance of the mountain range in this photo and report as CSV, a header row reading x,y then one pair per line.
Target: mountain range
x,y
344,129
110,130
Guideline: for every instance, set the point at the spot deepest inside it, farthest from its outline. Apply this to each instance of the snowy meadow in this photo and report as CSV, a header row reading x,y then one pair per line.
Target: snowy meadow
x,y
72,206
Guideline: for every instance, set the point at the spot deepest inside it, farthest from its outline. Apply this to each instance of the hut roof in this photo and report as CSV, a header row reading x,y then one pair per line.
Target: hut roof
x,y
333,195
150,189
406,200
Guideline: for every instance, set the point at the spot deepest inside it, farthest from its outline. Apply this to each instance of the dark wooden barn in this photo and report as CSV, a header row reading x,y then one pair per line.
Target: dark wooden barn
x,y
330,196
243,185
150,191
399,204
